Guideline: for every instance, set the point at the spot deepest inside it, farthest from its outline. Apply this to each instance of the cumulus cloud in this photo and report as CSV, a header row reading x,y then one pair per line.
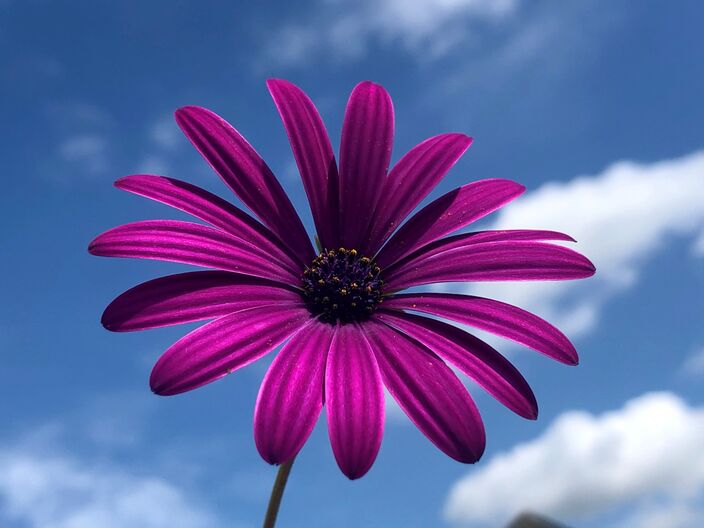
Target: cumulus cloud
x,y
620,218
646,456
346,28
65,473
41,490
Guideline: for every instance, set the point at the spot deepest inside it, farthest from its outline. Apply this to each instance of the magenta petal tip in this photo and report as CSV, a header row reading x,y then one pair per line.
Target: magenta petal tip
x,y
158,388
273,81
105,321
590,266
189,109
182,112
92,246
119,182
192,112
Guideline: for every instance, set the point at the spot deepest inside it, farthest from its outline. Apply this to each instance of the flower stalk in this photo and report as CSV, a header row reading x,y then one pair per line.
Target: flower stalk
x,y
277,492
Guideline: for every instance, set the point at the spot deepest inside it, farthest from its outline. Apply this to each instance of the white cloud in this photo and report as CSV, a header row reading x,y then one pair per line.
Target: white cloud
x,y
620,218
87,151
694,364
346,28
41,490
647,455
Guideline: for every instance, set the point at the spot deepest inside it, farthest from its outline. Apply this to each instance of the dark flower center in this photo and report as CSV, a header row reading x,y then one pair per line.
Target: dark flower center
x,y
342,285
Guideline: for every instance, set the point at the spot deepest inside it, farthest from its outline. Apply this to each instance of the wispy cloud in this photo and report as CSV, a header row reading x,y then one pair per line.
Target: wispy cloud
x,y
154,164
545,43
163,139
72,115
88,152
29,68
620,218
671,514
164,133
645,456
346,29
694,364
82,148
698,247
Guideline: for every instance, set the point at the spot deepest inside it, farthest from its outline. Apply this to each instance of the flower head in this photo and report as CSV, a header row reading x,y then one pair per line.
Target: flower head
x,y
346,330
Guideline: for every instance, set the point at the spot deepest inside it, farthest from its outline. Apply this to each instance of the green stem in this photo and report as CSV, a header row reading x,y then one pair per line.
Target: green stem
x,y
277,491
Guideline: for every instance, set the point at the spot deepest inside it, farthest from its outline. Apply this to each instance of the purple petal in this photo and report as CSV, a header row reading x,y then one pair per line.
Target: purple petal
x,y
176,241
189,297
410,180
365,153
429,393
223,346
354,396
314,156
450,212
211,208
499,235
494,261
492,316
476,237
291,396
246,173
472,356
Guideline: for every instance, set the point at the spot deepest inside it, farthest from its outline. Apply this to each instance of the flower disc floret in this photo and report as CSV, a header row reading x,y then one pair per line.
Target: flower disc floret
x,y
341,285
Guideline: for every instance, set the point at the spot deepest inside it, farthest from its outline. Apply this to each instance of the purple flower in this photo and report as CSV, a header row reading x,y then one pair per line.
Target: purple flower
x,y
346,330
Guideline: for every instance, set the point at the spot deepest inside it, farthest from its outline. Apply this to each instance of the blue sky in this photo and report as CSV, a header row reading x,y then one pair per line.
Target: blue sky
x,y
594,106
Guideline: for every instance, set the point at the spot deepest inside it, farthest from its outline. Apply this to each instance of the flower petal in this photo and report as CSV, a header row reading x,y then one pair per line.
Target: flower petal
x,y
410,180
354,397
476,237
189,297
492,316
189,243
211,208
314,156
494,261
291,395
450,212
429,393
246,173
223,346
365,153
472,356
